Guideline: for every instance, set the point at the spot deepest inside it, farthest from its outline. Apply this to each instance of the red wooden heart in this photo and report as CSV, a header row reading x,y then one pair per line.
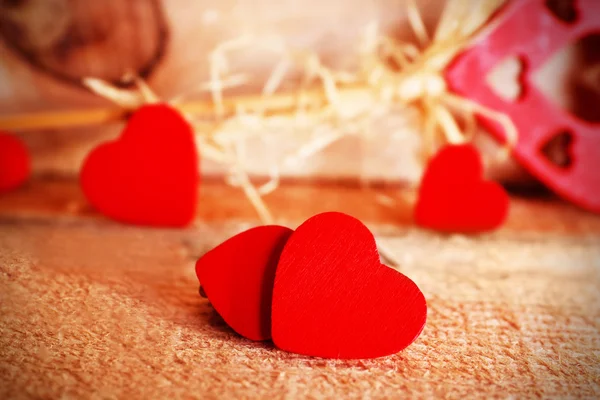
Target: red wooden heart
x,y
150,175
333,298
453,196
237,277
15,163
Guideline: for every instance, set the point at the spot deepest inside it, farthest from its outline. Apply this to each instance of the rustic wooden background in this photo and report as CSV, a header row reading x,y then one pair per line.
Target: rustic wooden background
x,y
94,309
90,308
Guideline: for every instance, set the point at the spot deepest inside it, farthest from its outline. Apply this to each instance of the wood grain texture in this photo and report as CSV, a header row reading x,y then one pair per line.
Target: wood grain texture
x,y
388,207
333,298
238,276
93,309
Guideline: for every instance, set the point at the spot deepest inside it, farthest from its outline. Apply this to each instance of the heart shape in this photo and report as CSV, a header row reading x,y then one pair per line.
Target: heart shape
x,y
506,79
534,31
453,197
150,175
237,277
333,298
15,163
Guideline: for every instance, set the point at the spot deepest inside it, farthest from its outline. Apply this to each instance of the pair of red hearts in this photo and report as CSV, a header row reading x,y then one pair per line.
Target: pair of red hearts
x,y
320,290
454,197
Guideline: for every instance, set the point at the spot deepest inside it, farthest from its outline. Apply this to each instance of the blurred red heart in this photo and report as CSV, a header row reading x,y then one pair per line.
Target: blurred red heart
x,y
150,175
333,298
15,163
237,277
453,196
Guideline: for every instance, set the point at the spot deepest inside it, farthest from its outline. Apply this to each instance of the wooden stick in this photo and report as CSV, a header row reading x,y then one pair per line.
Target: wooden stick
x,y
60,119
201,109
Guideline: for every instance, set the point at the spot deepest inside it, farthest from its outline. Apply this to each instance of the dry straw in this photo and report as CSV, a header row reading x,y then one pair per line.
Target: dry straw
x,y
327,106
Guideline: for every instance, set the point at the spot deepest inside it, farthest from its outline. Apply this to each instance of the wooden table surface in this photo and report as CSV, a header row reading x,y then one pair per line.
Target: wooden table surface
x,y
90,308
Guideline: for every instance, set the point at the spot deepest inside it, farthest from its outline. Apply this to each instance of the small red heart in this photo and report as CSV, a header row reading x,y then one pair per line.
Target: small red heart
x,y
453,196
333,298
150,175
237,277
15,163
